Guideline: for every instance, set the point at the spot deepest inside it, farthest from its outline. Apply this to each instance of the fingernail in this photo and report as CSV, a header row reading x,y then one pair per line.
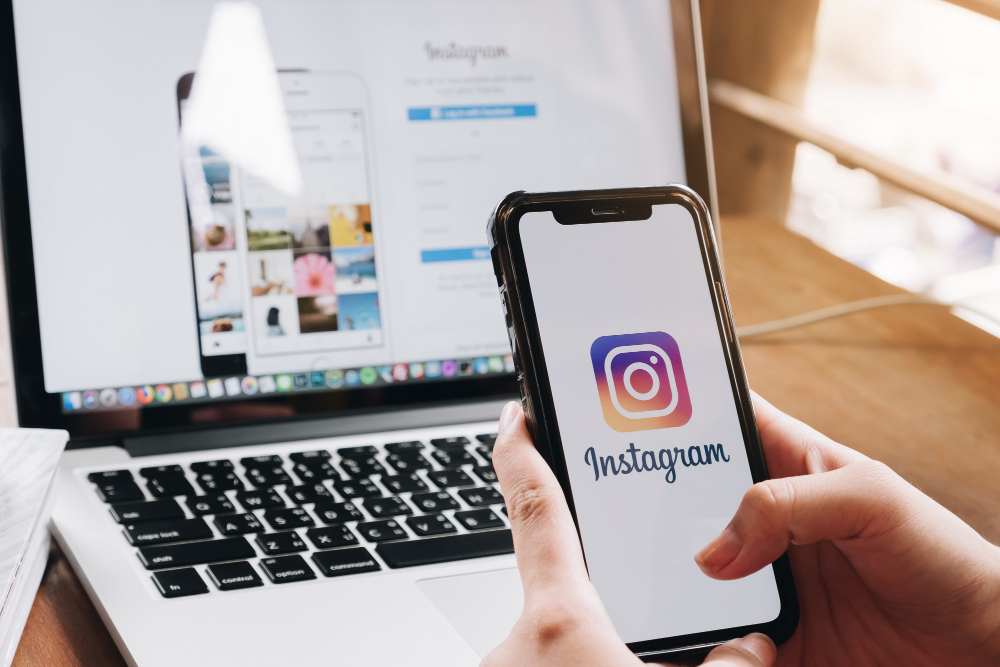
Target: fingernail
x,y
507,416
760,645
720,552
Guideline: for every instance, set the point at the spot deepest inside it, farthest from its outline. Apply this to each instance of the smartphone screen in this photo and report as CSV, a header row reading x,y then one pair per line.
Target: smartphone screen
x,y
311,261
285,282
647,416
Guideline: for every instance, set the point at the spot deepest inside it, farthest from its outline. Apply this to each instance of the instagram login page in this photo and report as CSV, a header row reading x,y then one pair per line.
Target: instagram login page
x,y
647,418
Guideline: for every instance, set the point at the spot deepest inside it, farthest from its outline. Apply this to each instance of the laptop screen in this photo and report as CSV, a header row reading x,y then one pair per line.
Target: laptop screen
x,y
253,202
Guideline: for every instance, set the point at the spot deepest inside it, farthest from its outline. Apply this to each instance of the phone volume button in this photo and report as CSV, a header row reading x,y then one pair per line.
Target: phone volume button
x,y
506,313
723,306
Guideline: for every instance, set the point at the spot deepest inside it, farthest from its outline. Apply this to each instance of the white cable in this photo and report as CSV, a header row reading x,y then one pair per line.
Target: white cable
x,y
853,307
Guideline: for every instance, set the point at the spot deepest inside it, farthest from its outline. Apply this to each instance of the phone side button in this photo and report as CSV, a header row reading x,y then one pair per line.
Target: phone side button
x,y
723,306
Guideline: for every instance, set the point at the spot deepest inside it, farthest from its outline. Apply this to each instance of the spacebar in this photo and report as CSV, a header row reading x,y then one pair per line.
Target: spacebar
x,y
444,549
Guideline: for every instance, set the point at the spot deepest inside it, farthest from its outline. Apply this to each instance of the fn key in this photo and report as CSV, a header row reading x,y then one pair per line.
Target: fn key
x,y
178,583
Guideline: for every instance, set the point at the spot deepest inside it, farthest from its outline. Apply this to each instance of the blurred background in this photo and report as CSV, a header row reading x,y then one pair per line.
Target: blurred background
x,y
913,83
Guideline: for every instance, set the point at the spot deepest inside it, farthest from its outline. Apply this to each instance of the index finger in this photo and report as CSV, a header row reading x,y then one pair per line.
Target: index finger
x,y
545,539
793,448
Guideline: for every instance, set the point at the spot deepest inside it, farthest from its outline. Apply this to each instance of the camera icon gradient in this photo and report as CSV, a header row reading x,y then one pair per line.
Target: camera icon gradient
x,y
640,380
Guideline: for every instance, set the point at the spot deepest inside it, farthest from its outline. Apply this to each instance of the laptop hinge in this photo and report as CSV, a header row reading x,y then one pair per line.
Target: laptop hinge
x,y
259,434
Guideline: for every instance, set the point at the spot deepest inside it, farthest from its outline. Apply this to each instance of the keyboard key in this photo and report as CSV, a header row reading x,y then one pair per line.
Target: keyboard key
x,y
309,493
445,549
345,561
449,443
233,576
452,458
168,487
154,510
385,507
331,536
253,500
238,524
403,483
485,452
333,513
219,482
315,473
118,492
357,452
407,462
487,439
479,519
264,460
433,524
295,517
486,473
212,467
313,458
404,447
110,476
195,553
286,569
434,502
481,497
178,583
217,503
448,478
263,476
361,467
379,531
161,471
358,488
162,532
285,542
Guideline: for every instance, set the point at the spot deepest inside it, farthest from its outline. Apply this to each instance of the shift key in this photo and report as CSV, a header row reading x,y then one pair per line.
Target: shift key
x,y
153,510
195,553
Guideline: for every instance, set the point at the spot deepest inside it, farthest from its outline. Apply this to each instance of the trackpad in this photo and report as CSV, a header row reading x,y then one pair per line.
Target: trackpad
x,y
483,607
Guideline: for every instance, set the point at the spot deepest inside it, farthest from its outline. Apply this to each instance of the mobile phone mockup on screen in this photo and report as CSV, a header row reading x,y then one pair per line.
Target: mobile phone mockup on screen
x,y
635,394
281,281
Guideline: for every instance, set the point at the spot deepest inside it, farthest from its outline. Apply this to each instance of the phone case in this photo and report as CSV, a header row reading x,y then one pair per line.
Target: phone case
x,y
532,377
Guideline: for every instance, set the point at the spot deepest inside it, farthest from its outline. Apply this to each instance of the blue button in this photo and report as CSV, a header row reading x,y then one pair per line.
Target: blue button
x,y
478,112
454,254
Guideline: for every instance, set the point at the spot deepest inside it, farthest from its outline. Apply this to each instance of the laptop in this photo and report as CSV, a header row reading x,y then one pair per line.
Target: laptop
x,y
247,273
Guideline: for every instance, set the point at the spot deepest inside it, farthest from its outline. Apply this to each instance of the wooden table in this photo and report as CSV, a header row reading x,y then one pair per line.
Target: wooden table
x,y
912,386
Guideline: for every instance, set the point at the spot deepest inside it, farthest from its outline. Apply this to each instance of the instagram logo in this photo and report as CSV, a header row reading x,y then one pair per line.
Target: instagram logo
x,y
641,381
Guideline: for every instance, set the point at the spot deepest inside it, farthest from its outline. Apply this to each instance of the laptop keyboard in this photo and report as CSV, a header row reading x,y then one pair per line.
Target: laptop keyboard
x,y
352,510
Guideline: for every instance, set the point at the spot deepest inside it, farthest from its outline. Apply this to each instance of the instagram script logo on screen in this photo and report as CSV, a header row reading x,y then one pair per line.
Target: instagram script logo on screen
x,y
641,381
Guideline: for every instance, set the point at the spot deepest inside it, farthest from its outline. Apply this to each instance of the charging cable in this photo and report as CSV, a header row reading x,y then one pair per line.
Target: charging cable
x,y
854,307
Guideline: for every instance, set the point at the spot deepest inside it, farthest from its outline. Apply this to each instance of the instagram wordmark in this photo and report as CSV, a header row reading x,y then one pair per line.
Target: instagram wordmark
x,y
640,380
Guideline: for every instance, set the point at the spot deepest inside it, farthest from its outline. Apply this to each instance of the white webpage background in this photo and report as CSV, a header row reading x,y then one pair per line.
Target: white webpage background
x,y
109,225
640,534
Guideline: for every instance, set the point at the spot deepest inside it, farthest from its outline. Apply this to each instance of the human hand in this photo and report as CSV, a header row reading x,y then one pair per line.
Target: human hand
x,y
564,621
884,574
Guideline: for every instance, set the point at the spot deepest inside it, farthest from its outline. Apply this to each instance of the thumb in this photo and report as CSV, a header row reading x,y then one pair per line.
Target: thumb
x,y
545,539
754,650
856,500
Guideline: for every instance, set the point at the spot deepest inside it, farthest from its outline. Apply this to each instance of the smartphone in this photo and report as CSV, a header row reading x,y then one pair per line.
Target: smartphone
x,y
314,274
216,260
635,394
289,283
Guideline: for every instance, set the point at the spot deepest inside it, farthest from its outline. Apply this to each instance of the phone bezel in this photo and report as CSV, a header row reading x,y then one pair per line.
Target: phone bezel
x,y
532,375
